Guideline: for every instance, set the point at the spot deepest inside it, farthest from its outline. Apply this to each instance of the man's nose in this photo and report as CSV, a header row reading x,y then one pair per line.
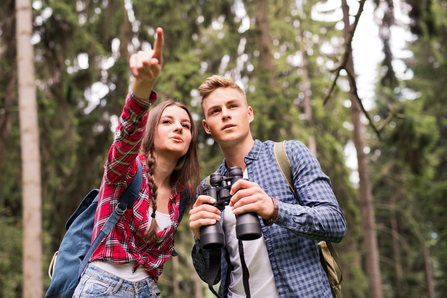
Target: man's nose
x,y
225,113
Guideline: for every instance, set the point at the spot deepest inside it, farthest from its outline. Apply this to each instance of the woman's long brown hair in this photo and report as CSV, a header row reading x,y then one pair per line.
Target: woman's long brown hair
x,y
189,172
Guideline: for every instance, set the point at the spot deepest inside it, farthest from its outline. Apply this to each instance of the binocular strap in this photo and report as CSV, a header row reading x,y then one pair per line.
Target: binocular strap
x,y
245,273
214,267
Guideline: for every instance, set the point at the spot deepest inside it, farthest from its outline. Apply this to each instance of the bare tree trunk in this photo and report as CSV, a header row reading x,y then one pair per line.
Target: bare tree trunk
x,y
265,41
396,249
428,274
175,283
198,286
31,180
366,204
307,106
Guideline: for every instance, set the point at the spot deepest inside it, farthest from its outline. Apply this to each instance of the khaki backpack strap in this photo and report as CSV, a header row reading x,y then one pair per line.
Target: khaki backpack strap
x,y
284,163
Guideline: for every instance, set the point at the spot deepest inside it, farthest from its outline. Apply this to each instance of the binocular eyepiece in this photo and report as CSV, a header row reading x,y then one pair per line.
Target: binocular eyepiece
x,y
248,227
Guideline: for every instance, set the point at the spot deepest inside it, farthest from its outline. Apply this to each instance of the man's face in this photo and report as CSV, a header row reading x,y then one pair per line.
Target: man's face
x,y
227,116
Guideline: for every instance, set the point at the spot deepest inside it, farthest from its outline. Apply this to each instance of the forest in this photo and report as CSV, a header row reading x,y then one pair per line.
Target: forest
x,y
296,61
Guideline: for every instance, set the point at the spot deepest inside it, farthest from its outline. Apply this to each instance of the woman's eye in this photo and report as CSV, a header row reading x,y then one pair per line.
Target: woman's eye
x,y
166,122
186,126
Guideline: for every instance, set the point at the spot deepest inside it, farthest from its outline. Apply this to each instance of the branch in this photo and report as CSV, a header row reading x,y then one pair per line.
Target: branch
x,y
354,91
348,47
393,114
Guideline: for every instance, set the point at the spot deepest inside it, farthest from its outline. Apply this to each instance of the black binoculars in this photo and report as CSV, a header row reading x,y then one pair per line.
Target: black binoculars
x,y
248,227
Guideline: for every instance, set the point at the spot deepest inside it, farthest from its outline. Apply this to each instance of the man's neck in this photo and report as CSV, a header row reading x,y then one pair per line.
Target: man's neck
x,y
235,155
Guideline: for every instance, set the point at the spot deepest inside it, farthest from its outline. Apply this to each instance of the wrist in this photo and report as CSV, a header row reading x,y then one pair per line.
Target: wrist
x,y
274,215
142,90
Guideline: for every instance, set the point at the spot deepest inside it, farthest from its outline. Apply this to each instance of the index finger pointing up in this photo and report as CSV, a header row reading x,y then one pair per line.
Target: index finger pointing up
x,y
158,46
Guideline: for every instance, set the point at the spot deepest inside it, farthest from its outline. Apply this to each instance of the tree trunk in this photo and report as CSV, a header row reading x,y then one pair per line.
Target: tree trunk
x,y
428,273
265,41
175,283
366,203
396,249
307,106
198,286
31,180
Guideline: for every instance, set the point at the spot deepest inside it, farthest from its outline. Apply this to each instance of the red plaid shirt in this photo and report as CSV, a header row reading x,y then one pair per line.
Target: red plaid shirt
x,y
126,243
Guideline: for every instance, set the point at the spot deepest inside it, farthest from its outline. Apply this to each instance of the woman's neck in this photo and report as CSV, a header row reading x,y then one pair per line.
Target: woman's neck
x,y
163,170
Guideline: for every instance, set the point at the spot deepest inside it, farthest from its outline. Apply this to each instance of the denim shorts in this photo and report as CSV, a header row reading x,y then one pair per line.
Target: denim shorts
x,y
99,283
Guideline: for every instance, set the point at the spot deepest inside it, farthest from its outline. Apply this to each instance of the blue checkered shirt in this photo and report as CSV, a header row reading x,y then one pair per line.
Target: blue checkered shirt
x,y
292,242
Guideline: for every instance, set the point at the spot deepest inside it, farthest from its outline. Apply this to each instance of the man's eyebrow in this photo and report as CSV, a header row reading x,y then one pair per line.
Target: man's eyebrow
x,y
213,107
233,101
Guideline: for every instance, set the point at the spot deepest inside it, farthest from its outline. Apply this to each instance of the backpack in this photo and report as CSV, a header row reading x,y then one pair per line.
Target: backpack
x,y
76,247
328,256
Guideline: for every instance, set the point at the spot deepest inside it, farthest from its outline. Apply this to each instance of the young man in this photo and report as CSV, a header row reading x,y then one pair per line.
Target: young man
x,y
285,261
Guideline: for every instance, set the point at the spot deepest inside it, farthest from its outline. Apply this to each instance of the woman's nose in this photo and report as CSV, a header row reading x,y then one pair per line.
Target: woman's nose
x,y
178,128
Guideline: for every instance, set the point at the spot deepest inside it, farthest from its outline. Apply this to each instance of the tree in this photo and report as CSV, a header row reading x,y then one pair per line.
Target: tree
x,y
365,191
31,183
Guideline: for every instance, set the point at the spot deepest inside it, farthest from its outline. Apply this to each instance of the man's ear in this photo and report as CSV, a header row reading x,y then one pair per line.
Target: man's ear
x,y
251,116
206,127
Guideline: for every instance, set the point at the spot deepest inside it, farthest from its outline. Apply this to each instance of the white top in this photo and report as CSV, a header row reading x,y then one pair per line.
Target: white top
x,y
124,271
262,283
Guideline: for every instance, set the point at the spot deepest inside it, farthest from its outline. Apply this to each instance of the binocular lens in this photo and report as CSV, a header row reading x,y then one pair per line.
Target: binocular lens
x,y
247,226
212,237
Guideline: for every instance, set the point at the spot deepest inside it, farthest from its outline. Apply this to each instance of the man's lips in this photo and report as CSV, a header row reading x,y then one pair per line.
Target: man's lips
x,y
228,126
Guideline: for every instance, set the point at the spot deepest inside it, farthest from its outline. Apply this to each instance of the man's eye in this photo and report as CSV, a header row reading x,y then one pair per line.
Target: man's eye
x,y
214,111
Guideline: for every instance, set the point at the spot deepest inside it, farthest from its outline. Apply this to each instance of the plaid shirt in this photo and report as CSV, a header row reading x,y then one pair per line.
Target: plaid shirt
x,y
126,243
292,241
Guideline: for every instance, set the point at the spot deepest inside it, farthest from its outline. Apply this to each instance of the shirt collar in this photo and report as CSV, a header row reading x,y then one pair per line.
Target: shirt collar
x,y
252,155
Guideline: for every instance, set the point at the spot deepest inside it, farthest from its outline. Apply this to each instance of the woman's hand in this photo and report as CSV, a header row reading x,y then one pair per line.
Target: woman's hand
x,y
146,67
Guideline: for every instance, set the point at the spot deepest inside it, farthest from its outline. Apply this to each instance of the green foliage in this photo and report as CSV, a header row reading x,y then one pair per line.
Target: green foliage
x,y
407,168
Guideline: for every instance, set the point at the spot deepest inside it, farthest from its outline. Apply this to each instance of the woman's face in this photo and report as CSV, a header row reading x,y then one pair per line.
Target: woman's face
x,y
173,133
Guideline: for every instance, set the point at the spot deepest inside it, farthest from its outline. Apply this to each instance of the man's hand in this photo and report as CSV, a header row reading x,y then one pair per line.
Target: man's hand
x,y
146,67
249,197
203,214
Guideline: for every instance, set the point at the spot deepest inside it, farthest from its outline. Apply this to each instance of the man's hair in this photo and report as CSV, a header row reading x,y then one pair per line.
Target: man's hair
x,y
214,82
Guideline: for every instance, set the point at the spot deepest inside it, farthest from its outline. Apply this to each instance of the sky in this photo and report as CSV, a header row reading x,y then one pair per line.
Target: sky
x,y
367,54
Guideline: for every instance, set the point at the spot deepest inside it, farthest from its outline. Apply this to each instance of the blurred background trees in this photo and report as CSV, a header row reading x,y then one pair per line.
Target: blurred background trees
x,y
282,53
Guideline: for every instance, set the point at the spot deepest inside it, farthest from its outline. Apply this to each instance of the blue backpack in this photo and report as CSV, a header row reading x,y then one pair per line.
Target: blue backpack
x,y
76,248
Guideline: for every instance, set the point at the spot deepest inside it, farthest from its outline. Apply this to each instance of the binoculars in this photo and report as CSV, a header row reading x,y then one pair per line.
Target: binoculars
x,y
248,227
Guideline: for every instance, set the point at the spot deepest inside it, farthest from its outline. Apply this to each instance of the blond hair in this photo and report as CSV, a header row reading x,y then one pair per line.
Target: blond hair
x,y
214,82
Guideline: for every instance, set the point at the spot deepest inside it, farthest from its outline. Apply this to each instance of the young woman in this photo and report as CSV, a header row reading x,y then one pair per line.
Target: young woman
x,y
130,259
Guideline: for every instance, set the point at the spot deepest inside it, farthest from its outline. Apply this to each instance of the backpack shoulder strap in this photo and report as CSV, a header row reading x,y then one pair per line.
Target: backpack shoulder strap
x,y
127,199
284,164
131,192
